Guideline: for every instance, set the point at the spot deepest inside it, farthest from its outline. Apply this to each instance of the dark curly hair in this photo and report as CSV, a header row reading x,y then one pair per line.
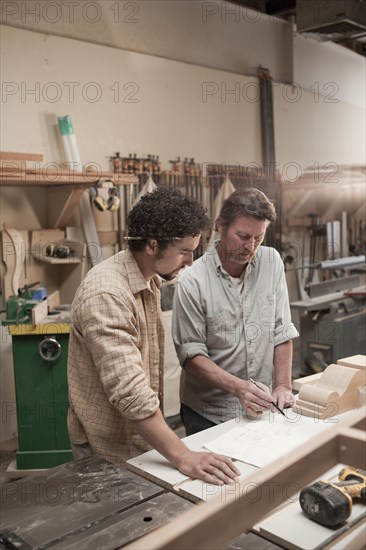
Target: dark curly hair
x,y
164,215
247,201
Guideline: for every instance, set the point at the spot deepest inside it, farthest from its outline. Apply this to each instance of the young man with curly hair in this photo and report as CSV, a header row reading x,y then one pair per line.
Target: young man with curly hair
x,y
115,362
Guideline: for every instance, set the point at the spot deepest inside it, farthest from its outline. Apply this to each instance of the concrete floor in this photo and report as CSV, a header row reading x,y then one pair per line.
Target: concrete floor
x,y
6,457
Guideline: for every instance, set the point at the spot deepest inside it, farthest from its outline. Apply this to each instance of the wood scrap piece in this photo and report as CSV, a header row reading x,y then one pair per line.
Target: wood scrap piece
x,y
53,300
39,312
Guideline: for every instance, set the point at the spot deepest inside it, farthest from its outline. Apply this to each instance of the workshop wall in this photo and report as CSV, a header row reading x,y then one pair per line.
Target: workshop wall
x,y
120,101
137,103
214,34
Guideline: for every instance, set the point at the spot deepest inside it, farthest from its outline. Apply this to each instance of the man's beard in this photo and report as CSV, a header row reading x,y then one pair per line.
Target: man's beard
x,y
241,257
167,276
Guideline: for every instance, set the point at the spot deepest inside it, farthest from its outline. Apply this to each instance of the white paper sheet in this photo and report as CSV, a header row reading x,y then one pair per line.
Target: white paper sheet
x,y
263,441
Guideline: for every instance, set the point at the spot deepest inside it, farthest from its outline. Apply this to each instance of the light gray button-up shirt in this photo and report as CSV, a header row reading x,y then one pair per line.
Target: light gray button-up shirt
x,y
236,326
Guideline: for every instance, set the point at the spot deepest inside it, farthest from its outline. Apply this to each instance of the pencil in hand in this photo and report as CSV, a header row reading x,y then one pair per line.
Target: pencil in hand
x,y
273,403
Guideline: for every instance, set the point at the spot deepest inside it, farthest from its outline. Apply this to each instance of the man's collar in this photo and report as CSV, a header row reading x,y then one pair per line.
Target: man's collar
x,y
136,280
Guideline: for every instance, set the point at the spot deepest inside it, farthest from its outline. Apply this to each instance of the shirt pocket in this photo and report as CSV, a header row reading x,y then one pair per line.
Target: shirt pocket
x,y
267,308
222,331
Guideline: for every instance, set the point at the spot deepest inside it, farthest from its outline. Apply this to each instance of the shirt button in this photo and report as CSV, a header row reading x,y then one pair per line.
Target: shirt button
x,y
153,336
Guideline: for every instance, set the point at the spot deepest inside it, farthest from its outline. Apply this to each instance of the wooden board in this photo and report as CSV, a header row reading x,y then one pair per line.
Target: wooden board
x,y
153,466
39,312
87,503
41,239
21,156
12,175
53,300
217,522
290,528
299,382
354,361
336,391
199,491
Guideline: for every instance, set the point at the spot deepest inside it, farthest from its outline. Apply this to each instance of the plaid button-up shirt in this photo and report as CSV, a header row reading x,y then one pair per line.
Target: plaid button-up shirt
x,y
115,359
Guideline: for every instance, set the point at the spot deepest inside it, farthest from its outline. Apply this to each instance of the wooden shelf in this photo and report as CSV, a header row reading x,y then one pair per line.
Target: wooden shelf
x,y
75,183
39,247
48,178
49,260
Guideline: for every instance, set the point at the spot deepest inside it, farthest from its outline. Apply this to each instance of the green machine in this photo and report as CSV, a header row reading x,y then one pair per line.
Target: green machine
x,y
40,359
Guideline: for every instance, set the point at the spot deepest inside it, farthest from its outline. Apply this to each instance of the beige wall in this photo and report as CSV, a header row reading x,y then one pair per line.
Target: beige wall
x,y
146,104
215,34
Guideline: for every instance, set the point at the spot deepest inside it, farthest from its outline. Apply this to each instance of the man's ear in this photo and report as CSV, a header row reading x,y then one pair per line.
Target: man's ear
x,y
151,247
218,225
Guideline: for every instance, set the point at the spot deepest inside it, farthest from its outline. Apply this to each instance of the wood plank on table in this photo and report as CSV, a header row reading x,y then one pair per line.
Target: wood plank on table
x,y
196,490
214,524
153,466
290,528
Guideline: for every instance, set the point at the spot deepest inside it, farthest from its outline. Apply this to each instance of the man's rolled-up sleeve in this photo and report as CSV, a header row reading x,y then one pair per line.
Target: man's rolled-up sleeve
x,y
284,328
109,331
189,324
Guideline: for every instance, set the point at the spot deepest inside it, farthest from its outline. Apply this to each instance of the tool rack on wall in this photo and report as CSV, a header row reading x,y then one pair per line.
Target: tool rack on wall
x,y
185,175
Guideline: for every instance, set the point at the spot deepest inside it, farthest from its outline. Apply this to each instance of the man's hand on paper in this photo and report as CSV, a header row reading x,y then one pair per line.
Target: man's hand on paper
x,y
209,467
282,395
254,398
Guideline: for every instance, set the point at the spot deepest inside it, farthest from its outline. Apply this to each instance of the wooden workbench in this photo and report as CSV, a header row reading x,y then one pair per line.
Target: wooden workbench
x,y
90,503
272,490
87,503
